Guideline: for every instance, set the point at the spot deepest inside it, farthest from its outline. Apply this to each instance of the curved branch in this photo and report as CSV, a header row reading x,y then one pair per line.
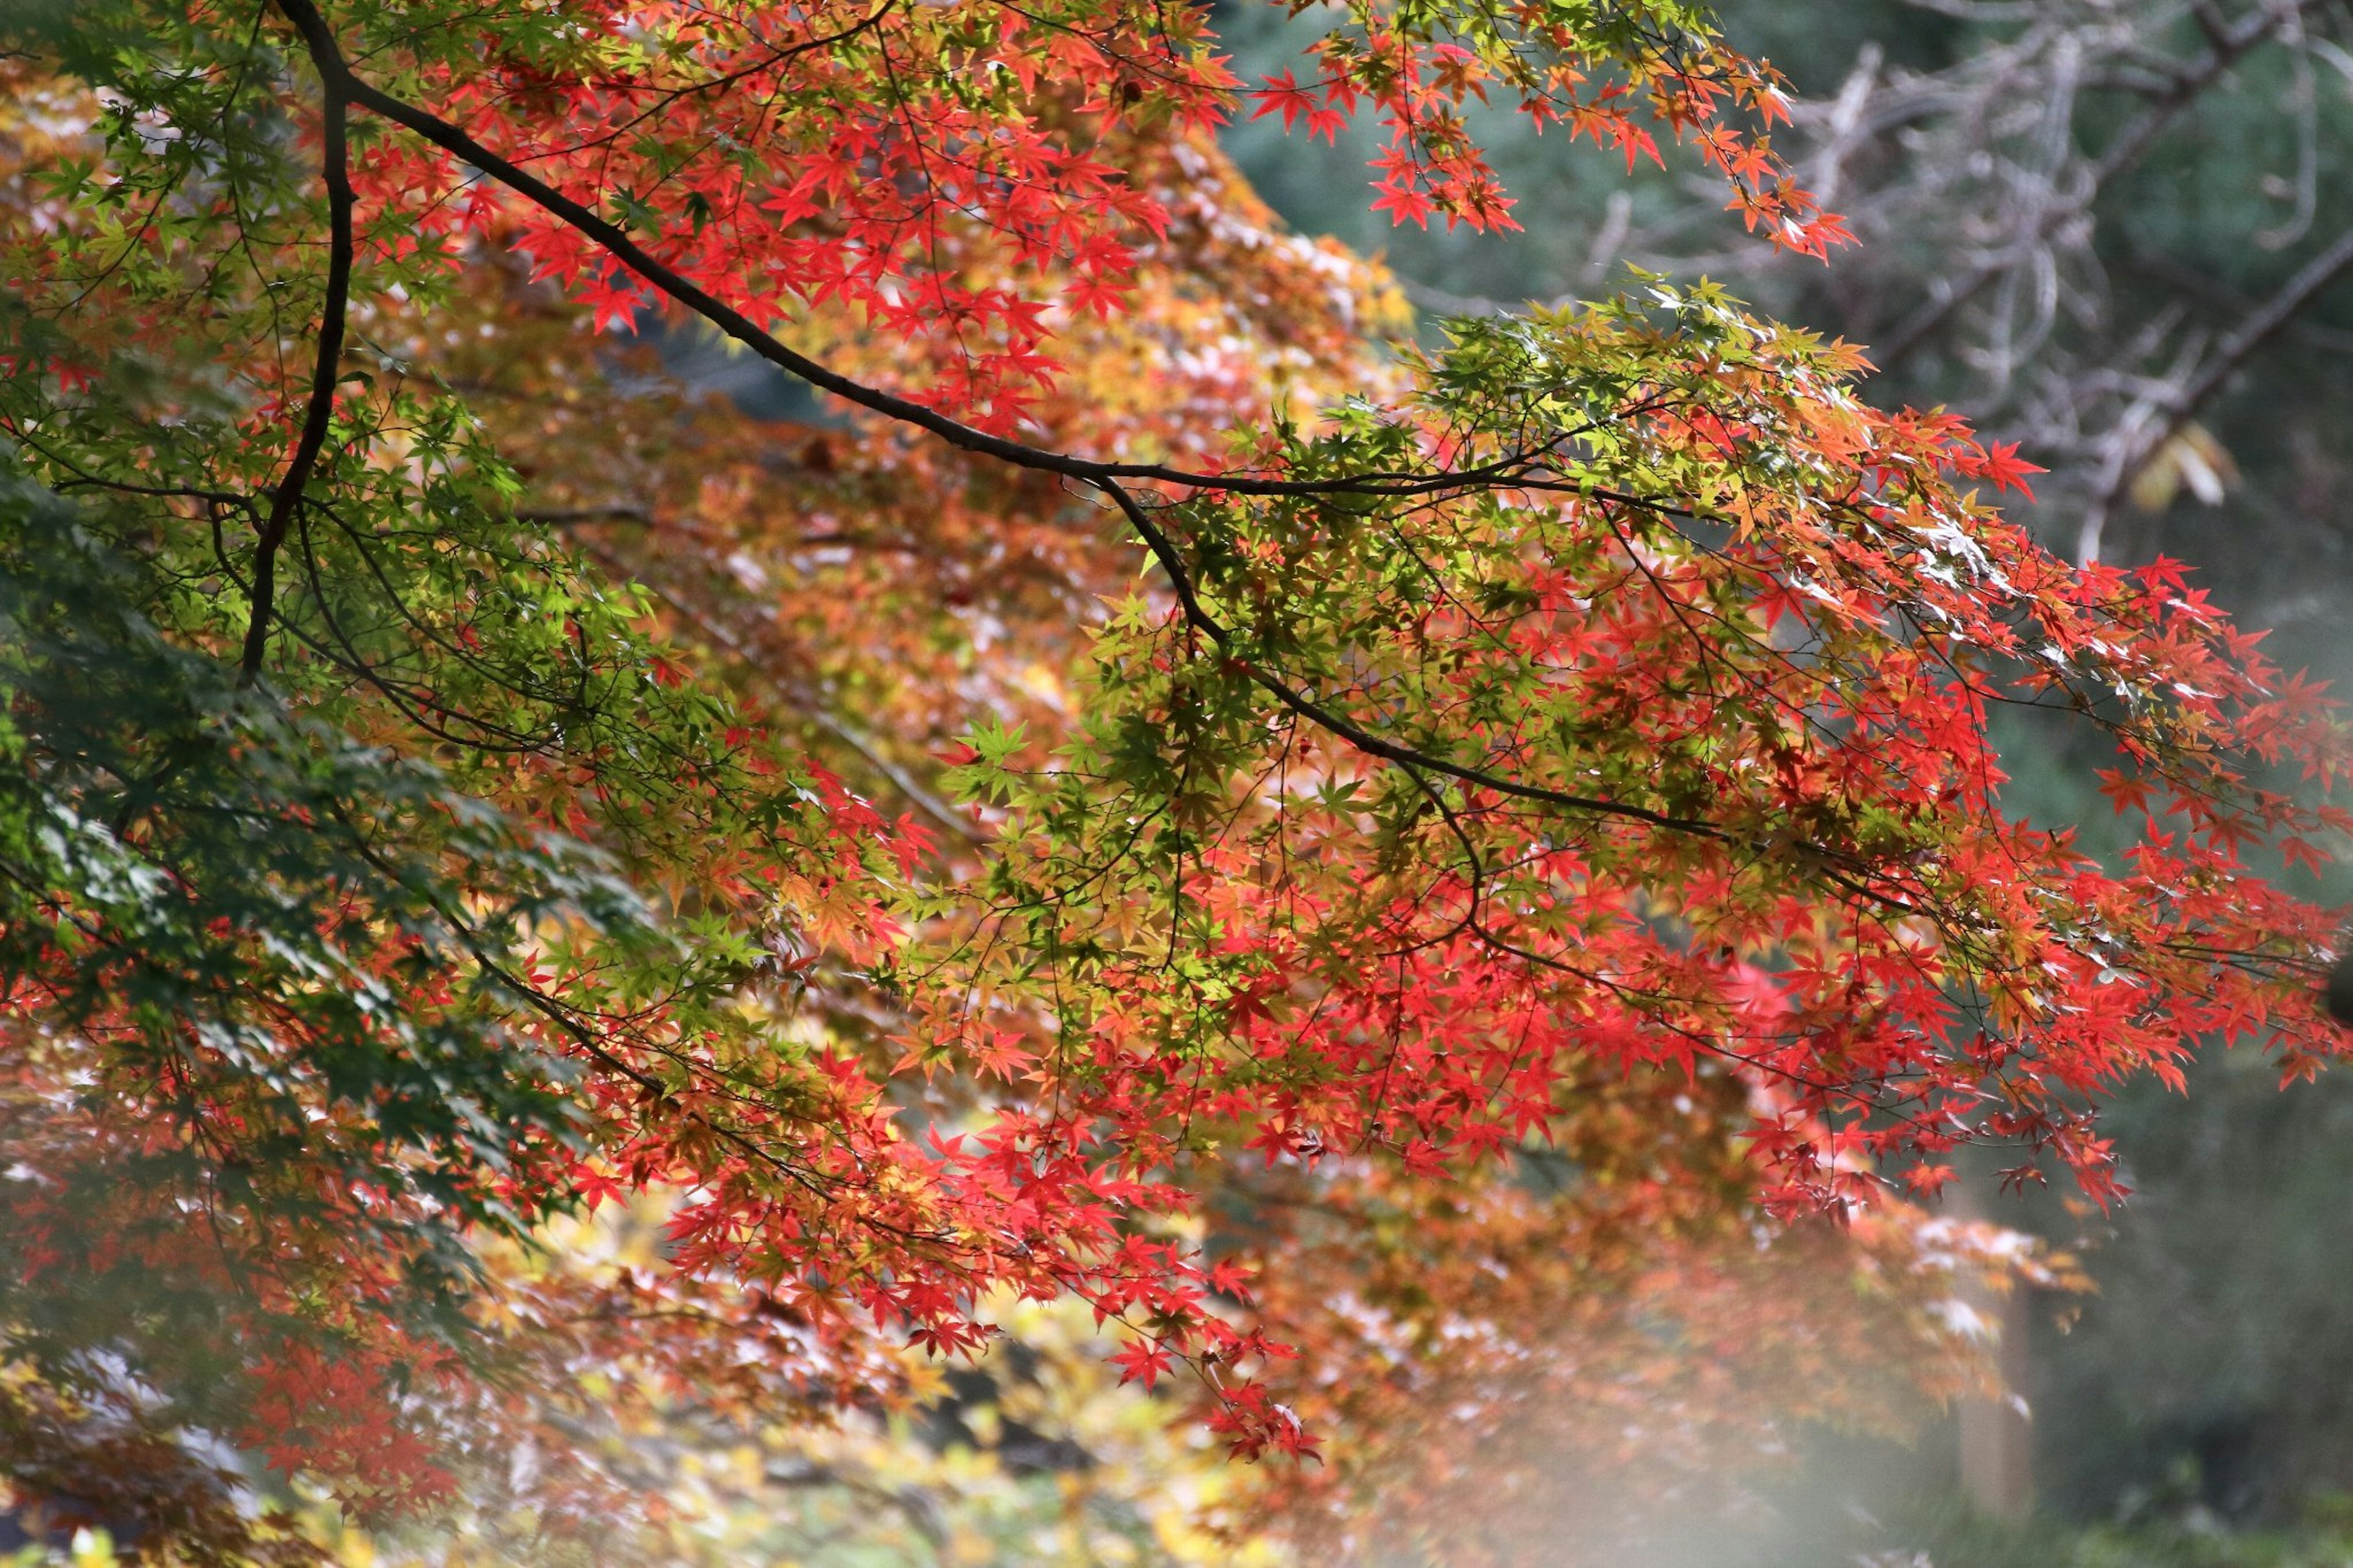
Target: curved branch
x,y
1111,478
1164,549
288,496
328,58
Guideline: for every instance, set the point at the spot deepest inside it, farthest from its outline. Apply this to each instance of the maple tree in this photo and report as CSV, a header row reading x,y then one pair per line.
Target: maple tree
x,y
1161,745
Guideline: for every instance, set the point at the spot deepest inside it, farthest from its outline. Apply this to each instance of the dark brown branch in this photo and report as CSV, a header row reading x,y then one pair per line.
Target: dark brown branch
x,y
325,372
1824,859
327,57
612,512
1108,478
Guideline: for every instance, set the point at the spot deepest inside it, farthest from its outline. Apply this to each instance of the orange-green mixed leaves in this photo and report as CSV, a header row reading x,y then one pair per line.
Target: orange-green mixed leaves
x,y
1348,863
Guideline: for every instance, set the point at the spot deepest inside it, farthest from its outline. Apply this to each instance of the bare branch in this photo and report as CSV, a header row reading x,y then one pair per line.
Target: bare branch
x,y
2227,41
2157,414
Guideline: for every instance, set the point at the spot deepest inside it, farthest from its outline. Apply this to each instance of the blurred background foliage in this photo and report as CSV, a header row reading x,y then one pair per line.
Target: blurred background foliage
x,y
1032,1453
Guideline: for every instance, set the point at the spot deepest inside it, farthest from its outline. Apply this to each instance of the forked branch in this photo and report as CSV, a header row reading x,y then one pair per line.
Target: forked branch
x,y
327,58
1108,478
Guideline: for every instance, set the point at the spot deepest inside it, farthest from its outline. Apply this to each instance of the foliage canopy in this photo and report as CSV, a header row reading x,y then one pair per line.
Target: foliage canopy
x,y
1157,775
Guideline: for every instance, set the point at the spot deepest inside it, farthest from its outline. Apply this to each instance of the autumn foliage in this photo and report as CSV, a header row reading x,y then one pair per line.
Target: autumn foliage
x,y
1160,789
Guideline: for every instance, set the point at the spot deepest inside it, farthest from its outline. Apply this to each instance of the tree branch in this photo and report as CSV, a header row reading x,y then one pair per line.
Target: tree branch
x,y
288,496
1164,549
1107,478
327,57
